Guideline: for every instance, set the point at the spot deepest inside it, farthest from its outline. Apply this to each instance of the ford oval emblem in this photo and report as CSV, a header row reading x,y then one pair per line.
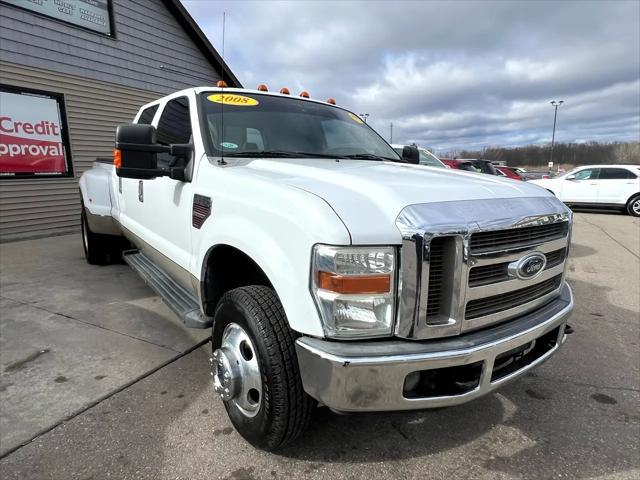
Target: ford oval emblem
x,y
529,266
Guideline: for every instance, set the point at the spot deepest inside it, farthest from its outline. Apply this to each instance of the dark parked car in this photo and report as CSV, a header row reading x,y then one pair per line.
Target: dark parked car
x,y
484,166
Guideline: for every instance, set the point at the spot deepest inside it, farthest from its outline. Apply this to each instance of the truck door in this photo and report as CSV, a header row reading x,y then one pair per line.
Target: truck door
x,y
163,211
125,190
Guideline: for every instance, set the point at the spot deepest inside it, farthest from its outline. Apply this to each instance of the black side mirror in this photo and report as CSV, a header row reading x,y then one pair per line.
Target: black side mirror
x,y
138,151
411,154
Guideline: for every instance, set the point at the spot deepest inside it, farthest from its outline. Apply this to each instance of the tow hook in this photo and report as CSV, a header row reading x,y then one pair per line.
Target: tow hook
x,y
568,329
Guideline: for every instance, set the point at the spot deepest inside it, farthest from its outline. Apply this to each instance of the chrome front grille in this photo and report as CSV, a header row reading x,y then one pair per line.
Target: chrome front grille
x,y
505,301
436,278
499,272
515,238
459,263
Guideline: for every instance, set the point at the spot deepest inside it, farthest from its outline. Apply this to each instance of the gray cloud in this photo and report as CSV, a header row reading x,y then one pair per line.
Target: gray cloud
x,y
447,74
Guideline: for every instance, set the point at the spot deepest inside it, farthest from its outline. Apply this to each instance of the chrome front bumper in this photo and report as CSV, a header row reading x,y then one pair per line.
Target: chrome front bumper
x,y
370,376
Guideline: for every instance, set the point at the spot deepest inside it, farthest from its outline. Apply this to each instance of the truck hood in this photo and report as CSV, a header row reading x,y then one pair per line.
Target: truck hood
x,y
369,195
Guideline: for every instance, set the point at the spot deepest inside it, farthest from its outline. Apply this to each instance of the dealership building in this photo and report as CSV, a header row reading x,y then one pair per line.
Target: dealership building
x,y
70,72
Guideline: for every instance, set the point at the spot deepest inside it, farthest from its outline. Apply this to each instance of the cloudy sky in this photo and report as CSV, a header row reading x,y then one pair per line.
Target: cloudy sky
x,y
449,75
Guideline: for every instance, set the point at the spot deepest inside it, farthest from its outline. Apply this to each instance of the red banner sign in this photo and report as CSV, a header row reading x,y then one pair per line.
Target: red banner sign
x,y
31,135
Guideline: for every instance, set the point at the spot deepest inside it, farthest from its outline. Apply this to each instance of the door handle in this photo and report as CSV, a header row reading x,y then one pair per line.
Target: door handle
x,y
593,184
140,191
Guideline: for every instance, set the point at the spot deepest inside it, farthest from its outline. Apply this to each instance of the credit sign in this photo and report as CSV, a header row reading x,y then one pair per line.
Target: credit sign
x,y
32,137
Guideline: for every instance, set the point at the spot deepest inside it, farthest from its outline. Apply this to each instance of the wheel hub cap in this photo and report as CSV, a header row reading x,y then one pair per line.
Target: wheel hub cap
x,y
226,377
235,371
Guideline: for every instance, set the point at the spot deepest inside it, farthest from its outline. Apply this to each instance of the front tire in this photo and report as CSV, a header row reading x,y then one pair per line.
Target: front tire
x,y
633,206
255,368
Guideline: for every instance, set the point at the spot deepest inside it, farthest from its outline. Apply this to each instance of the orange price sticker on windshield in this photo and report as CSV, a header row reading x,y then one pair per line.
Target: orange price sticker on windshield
x,y
231,99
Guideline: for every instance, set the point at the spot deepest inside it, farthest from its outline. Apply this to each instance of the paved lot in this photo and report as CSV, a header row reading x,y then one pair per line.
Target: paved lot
x,y
577,416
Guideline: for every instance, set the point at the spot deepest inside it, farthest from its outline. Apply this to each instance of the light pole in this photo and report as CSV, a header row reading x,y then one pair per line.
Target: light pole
x,y
391,132
364,116
555,116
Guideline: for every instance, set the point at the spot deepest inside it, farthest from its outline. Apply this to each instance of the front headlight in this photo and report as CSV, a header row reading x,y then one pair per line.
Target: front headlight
x,y
354,289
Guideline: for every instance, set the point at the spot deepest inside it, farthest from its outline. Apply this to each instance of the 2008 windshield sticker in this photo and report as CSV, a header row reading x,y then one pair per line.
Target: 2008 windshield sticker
x,y
231,99
355,118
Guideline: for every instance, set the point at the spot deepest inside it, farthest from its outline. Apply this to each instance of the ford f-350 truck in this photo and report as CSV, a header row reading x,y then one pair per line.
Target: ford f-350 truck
x,y
330,269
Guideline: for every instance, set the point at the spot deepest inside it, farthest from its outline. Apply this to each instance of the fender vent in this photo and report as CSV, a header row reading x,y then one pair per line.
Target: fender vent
x,y
201,210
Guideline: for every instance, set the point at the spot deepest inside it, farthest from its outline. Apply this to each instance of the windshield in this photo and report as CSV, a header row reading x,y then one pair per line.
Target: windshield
x,y
468,166
262,125
485,167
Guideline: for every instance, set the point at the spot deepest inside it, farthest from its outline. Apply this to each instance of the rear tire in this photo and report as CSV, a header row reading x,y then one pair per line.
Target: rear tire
x,y
260,379
633,206
96,250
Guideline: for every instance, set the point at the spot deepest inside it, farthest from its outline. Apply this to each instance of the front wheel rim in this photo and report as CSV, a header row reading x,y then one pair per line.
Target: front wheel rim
x,y
236,372
635,206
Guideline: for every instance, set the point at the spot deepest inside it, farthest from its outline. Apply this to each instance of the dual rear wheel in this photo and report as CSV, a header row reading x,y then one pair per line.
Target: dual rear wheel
x,y
100,249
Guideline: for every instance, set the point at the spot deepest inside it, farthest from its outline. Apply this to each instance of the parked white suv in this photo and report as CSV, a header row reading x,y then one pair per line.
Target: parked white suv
x,y
603,186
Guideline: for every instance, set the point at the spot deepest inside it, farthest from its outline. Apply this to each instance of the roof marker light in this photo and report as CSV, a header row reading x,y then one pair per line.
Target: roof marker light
x,y
284,91
304,94
262,88
332,101
221,84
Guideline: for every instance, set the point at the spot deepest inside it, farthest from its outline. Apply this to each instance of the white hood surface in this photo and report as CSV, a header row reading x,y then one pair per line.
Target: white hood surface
x,y
369,195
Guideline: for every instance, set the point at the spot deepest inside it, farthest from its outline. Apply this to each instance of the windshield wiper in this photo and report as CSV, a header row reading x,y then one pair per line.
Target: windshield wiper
x,y
289,154
263,154
370,156
280,153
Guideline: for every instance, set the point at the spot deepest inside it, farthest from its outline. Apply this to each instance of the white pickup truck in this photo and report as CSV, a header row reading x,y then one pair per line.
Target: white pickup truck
x,y
331,269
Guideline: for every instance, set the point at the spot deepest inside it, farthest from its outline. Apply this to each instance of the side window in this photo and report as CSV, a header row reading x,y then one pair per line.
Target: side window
x,y
146,117
587,174
615,174
174,126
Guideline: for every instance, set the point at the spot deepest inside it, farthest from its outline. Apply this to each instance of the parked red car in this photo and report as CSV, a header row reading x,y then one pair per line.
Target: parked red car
x,y
459,164
508,172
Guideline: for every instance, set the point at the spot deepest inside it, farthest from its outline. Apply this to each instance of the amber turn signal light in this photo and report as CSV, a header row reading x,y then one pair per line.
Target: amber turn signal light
x,y
117,158
354,284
